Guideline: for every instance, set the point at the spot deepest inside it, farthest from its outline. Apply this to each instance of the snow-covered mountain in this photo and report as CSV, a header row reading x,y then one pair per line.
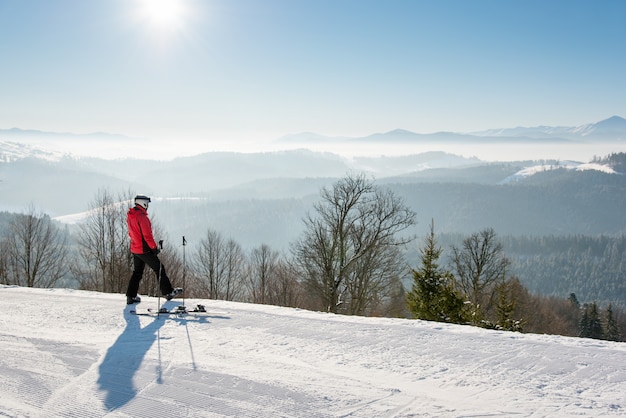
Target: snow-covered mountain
x,y
69,353
613,126
611,129
18,143
13,151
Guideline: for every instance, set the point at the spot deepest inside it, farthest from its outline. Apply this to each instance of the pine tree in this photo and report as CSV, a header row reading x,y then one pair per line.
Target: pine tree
x,y
590,325
505,308
433,296
612,330
583,327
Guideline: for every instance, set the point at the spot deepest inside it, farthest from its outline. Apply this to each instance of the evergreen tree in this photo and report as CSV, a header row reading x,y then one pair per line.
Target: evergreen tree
x,y
433,296
590,325
583,328
612,330
505,309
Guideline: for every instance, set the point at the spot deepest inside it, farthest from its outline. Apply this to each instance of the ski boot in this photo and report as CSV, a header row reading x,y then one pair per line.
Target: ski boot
x,y
177,291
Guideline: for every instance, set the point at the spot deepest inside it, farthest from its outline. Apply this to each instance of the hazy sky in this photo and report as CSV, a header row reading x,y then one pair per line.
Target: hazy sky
x,y
220,69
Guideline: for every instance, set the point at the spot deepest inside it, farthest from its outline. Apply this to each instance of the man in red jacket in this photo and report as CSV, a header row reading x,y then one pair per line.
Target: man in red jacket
x,y
145,250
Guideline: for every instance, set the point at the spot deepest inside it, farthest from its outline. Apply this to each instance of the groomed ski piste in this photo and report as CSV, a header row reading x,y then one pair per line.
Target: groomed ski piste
x,y
70,353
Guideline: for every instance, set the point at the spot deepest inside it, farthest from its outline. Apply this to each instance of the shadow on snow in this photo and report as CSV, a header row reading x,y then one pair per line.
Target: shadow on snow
x,y
124,358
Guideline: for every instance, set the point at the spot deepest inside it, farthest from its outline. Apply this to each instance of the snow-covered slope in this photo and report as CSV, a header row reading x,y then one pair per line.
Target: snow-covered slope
x,y
13,151
76,353
568,165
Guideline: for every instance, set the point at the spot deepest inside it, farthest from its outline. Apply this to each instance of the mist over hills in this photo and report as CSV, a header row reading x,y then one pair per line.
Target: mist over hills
x,y
16,143
462,193
245,194
613,129
261,197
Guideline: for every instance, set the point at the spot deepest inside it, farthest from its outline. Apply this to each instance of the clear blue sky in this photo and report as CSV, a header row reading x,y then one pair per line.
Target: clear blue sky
x,y
245,68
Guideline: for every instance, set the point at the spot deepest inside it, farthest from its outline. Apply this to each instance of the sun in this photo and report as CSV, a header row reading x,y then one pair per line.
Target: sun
x,y
162,14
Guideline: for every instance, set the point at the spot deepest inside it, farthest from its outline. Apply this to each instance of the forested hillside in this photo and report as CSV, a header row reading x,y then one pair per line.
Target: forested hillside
x,y
591,267
557,202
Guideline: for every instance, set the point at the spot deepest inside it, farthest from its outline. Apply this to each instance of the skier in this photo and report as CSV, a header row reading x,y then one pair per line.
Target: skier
x,y
145,251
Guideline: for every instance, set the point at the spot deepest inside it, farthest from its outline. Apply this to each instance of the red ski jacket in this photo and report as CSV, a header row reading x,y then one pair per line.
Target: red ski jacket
x,y
140,231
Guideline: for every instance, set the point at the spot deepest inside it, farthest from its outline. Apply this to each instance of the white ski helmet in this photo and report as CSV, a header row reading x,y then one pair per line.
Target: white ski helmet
x,y
142,201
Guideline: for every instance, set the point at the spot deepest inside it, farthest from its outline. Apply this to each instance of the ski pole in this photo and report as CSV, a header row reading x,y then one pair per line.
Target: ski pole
x,y
184,269
159,282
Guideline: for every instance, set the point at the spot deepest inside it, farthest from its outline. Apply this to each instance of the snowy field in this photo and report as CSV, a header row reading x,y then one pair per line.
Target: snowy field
x,y
69,353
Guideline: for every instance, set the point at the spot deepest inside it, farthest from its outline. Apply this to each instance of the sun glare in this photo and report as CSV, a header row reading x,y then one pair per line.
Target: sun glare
x,y
163,14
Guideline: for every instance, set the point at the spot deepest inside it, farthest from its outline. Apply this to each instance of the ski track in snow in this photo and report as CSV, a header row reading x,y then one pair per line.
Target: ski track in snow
x,y
70,353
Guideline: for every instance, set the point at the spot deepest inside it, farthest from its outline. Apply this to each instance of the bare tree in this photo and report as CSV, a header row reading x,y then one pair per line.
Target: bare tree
x,y
271,279
262,269
349,253
479,265
4,262
104,244
35,251
219,266
234,260
371,281
284,289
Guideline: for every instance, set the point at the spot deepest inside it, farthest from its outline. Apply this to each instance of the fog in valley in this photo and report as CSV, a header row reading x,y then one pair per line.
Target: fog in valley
x,y
526,184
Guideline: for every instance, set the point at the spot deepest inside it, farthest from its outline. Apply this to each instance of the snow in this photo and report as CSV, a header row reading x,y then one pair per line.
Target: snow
x,y
566,165
82,354
12,151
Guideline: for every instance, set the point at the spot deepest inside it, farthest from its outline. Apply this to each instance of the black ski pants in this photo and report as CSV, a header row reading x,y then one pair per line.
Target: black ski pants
x,y
140,261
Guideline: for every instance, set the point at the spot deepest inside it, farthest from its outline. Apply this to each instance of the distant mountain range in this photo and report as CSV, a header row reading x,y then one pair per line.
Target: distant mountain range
x,y
16,143
611,129
17,133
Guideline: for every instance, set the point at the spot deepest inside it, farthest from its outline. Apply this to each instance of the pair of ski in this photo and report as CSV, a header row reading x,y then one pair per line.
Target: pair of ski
x,y
179,310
